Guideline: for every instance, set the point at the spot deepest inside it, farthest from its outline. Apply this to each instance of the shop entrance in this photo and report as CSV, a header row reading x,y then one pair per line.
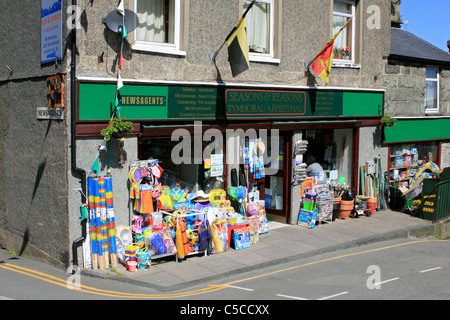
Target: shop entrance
x,y
277,189
333,150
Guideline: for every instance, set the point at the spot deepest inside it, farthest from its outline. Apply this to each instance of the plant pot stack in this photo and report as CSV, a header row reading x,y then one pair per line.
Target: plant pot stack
x,y
336,207
346,209
372,204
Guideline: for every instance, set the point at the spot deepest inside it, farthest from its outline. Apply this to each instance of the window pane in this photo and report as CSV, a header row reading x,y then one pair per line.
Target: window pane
x,y
344,39
431,95
432,73
258,27
342,7
156,20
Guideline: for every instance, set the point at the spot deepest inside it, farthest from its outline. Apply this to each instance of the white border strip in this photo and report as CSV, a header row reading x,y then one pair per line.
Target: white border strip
x,y
147,81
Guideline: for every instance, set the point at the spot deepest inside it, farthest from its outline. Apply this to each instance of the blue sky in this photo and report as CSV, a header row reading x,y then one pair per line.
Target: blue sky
x,y
429,20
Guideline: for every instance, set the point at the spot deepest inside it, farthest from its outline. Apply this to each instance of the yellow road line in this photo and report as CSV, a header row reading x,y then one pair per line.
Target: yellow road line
x,y
210,288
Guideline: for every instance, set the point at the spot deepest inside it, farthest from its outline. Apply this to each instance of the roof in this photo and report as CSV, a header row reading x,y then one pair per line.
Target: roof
x,y
409,46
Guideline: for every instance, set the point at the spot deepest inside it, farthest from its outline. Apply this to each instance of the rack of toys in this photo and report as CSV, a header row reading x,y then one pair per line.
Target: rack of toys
x,y
102,229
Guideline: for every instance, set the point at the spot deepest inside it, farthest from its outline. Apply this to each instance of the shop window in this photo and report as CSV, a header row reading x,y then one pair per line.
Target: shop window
x,y
262,24
160,24
344,45
55,91
332,149
192,174
406,160
432,90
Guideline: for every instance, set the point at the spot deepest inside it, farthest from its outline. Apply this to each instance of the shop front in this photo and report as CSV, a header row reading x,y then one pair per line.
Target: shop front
x,y
245,145
415,153
414,143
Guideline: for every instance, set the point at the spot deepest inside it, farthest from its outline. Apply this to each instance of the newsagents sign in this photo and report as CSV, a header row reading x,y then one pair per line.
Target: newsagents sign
x,y
140,101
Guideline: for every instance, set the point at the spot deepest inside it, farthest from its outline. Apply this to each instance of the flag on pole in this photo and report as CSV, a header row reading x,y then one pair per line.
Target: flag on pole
x,y
124,32
119,82
121,61
95,167
121,8
321,64
238,48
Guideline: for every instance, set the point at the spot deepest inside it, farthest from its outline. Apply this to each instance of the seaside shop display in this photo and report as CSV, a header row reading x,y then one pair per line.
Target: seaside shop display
x,y
168,221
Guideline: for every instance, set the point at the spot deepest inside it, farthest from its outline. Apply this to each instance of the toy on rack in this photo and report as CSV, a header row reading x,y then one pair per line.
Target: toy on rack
x,y
110,217
217,197
308,215
165,201
259,150
238,194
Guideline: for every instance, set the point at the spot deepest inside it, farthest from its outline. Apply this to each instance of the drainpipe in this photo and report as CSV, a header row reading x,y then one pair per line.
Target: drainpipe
x,y
78,171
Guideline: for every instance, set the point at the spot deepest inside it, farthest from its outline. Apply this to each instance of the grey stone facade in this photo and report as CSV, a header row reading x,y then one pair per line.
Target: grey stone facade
x,y
405,88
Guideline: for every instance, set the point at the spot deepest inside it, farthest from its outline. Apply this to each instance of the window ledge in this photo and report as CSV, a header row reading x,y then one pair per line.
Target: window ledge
x,y
345,64
432,112
158,49
263,58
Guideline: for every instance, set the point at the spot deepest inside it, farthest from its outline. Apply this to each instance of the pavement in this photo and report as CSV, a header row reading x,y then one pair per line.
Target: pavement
x,y
283,243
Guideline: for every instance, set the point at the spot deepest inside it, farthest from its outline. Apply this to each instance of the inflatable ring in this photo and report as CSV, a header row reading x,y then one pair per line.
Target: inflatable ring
x,y
425,170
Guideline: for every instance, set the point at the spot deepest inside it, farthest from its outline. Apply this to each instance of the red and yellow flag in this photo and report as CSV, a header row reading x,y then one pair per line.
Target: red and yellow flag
x,y
322,62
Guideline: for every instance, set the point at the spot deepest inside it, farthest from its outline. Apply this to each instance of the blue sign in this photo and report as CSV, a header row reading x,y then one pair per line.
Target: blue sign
x,y
51,30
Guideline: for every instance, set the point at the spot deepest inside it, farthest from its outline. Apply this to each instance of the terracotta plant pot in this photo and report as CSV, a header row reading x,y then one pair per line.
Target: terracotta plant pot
x,y
336,208
347,205
372,204
346,209
344,214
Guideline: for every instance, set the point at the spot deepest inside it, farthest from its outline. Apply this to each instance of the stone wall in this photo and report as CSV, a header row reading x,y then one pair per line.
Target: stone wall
x,y
405,89
306,28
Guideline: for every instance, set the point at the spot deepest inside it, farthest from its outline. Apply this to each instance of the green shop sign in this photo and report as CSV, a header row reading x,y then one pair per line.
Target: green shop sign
x,y
154,102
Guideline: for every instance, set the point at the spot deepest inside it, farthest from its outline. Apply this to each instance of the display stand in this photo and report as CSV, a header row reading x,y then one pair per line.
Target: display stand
x,y
176,216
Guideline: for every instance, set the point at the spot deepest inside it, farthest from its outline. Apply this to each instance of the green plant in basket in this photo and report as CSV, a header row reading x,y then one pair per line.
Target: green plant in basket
x,y
387,121
117,127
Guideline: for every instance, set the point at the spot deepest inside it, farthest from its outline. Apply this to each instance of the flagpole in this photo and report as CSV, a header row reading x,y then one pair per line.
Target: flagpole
x,y
213,56
308,64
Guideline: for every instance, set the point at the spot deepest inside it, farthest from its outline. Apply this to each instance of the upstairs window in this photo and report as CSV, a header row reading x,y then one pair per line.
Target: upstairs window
x,y
159,26
344,44
432,90
261,27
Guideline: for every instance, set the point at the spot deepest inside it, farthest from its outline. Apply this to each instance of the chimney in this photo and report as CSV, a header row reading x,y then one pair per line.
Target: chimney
x,y
448,45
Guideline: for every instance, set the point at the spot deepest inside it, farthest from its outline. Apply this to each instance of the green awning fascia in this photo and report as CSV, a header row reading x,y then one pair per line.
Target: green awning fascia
x,y
406,130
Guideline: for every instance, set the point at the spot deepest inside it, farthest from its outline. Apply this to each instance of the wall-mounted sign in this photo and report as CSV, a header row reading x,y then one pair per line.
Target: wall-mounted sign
x,y
265,103
44,113
51,30
181,102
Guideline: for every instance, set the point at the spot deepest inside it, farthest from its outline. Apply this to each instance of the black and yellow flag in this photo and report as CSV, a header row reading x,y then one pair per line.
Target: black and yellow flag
x,y
238,48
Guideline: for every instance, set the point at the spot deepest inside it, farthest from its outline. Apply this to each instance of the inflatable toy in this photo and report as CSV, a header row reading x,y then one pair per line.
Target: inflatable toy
x,y
425,170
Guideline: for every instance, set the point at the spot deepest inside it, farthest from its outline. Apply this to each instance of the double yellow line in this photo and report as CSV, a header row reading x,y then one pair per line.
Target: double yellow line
x,y
208,289
65,283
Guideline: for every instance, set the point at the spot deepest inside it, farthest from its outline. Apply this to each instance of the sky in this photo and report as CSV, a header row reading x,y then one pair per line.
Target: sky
x,y
429,20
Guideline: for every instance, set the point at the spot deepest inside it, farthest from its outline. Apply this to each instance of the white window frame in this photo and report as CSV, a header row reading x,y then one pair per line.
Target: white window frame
x,y
167,48
263,57
432,110
352,16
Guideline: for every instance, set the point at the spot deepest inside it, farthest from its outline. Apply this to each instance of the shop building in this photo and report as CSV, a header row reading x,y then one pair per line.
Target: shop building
x,y
417,78
170,89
